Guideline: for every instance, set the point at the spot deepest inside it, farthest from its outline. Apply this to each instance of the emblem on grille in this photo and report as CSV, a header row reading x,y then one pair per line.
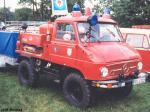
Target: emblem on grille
x,y
125,68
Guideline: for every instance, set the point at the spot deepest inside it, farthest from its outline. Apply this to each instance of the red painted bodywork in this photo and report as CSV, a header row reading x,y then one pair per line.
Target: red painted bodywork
x,y
88,58
144,52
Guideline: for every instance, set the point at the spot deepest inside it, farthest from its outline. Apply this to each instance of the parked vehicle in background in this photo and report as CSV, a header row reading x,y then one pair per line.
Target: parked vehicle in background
x,y
140,40
141,26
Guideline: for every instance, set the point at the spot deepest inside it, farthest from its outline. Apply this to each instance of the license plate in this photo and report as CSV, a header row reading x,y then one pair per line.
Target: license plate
x,y
121,84
139,81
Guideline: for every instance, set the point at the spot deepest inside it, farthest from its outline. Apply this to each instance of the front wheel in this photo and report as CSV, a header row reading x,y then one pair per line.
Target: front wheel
x,y
77,91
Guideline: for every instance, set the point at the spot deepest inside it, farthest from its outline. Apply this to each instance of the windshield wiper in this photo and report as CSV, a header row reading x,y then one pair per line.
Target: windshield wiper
x,y
112,34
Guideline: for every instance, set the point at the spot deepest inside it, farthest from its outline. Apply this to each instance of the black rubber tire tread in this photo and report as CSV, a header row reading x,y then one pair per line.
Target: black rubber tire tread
x,y
32,76
85,102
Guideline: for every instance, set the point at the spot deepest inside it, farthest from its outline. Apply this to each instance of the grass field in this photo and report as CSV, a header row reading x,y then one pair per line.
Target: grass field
x,y
48,97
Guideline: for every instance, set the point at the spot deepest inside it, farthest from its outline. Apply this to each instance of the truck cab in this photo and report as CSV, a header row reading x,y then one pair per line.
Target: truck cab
x,y
83,52
72,46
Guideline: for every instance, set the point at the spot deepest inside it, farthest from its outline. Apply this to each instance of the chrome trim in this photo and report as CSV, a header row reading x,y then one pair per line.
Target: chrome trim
x,y
121,69
114,70
117,84
116,63
106,82
133,67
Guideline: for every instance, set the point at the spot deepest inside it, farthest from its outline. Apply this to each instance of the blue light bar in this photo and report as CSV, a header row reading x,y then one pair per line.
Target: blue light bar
x,y
76,7
107,11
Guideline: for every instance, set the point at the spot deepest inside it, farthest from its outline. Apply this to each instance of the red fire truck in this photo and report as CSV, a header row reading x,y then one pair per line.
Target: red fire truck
x,y
83,53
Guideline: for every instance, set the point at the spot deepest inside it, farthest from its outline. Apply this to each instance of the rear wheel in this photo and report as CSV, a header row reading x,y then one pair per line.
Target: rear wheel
x,y
77,91
27,75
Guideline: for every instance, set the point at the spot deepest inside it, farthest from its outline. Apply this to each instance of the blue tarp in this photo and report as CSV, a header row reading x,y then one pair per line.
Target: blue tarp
x,y
8,42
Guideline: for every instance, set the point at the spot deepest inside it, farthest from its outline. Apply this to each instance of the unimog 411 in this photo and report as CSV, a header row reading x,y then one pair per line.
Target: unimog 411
x,y
82,52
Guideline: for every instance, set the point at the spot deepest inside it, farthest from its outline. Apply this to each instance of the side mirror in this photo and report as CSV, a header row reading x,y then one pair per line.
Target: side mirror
x,y
4,28
92,20
24,26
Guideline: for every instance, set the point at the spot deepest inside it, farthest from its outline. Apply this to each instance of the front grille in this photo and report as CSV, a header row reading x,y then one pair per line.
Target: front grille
x,y
126,68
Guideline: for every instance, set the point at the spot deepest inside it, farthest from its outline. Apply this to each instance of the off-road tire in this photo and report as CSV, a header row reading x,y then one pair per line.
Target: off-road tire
x,y
76,91
27,76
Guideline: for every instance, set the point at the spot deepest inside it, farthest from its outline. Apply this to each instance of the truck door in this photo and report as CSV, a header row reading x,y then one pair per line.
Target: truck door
x,y
63,47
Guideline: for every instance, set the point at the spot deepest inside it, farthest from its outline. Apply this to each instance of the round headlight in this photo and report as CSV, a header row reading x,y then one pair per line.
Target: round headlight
x,y
104,71
140,65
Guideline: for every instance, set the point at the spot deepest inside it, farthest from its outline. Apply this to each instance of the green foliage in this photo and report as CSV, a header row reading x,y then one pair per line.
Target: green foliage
x,y
9,15
132,12
27,1
23,14
101,5
127,12
42,9
48,97
32,3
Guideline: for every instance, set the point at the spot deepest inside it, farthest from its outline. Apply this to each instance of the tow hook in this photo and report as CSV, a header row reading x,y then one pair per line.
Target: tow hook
x,y
121,78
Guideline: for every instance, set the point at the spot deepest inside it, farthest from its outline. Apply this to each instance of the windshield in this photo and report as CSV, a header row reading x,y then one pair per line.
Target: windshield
x,y
99,33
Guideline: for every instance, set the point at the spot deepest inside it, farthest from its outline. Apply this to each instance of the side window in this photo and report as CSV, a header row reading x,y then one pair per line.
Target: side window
x,y
145,42
65,32
135,40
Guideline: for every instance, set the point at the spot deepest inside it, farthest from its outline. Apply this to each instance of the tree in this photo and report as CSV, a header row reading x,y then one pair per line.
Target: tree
x,y
29,3
101,5
42,9
45,9
24,14
9,14
126,12
131,12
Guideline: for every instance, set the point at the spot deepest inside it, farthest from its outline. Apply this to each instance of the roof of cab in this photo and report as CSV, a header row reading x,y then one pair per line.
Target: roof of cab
x,y
135,31
84,18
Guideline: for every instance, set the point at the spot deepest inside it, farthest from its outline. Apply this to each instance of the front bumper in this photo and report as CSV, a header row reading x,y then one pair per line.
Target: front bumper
x,y
117,84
